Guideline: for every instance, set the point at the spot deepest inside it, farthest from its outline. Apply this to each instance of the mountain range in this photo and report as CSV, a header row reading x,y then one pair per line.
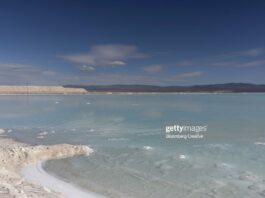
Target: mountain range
x,y
223,88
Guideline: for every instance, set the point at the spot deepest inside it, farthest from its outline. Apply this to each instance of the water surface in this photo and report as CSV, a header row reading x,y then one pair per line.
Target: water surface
x,y
132,156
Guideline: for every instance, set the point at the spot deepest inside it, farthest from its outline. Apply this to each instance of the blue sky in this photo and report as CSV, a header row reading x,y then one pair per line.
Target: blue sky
x,y
56,42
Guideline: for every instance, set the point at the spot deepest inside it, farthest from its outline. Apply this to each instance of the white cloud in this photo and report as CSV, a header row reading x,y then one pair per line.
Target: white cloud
x,y
106,55
153,68
252,63
87,68
15,66
122,78
118,63
15,73
245,58
252,52
224,63
249,63
22,74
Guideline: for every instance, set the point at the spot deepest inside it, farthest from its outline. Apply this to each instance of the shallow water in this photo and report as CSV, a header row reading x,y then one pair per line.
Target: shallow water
x,y
132,156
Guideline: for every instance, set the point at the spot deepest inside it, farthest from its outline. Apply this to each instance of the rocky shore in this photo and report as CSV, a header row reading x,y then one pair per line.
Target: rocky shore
x,y
14,156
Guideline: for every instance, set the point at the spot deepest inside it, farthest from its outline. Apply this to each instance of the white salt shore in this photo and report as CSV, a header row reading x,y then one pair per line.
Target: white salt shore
x,y
15,157
36,174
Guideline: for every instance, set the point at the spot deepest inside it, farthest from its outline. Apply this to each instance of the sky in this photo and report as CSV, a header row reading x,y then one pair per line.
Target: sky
x,y
103,42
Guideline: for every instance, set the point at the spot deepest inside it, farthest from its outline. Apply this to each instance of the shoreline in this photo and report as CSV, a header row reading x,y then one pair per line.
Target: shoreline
x,y
40,90
36,174
129,93
16,157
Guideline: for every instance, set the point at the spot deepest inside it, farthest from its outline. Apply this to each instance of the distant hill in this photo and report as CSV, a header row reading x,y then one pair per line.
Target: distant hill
x,y
228,87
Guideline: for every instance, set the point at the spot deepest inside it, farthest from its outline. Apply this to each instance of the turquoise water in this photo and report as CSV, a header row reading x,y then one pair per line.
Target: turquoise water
x,y
133,158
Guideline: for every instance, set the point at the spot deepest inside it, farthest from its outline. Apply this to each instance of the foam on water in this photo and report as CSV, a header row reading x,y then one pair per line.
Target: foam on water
x,y
2,131
260,143
182,157
148,148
